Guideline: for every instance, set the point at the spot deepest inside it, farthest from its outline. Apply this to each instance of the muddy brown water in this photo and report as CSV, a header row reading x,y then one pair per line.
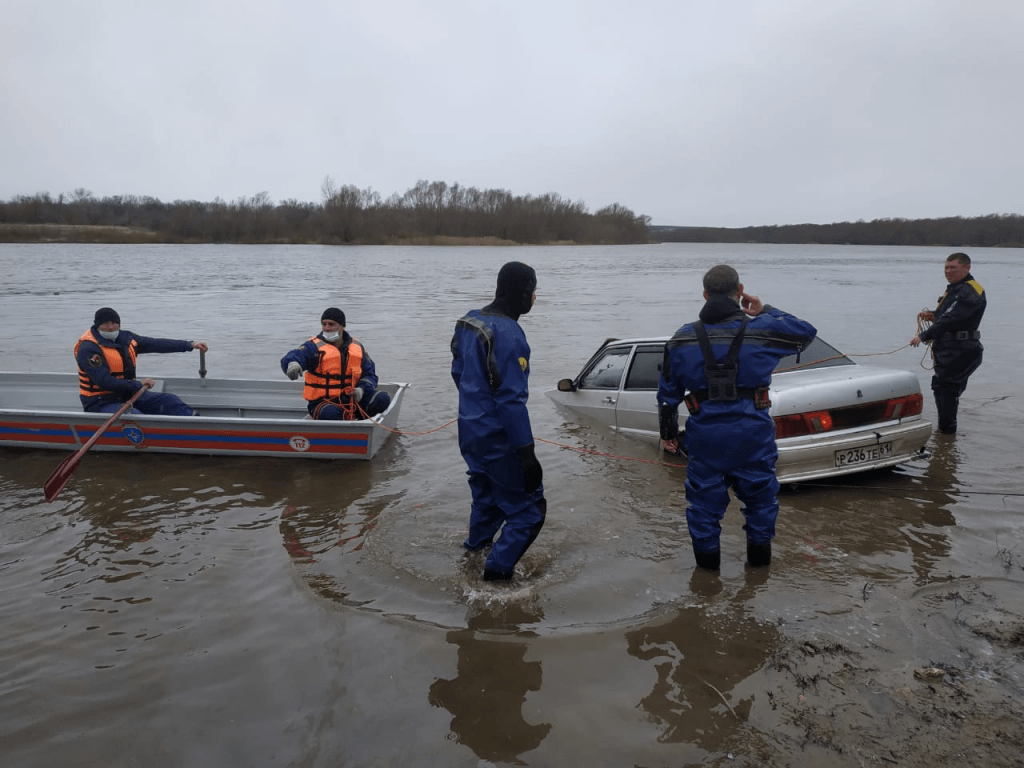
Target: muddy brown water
x,y
193,611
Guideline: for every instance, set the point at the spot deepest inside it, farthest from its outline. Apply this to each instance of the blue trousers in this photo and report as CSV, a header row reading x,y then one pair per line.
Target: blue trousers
x,y
504,506
153,403
746,463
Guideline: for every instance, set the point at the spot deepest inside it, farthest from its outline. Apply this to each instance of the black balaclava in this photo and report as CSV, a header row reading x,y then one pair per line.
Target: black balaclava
x,y
514,296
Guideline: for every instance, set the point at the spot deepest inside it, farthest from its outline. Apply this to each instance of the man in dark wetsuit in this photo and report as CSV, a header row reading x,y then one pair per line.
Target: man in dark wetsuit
x,y
721,367
955,338
491,368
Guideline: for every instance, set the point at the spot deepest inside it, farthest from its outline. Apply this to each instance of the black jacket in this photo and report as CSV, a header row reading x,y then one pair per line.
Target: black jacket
x,y
960,308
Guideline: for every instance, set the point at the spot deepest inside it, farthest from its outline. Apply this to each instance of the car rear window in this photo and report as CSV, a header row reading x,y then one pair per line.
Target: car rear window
x,y
819,354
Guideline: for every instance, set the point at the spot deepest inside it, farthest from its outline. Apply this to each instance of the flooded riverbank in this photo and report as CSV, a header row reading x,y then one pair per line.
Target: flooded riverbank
x,y
180,610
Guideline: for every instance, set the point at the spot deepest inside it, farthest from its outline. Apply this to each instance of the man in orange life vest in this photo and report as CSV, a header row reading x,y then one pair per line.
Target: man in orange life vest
x,y
106,368
341,379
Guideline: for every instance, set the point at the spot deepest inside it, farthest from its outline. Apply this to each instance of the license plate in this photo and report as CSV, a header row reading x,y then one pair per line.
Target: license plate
x,y
863,455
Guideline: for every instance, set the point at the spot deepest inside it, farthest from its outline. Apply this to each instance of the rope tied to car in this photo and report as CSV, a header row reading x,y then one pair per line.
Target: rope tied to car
x,y
922,325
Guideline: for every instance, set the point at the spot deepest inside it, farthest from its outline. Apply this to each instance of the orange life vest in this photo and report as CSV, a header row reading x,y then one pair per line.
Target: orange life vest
x,y
329,380
115,362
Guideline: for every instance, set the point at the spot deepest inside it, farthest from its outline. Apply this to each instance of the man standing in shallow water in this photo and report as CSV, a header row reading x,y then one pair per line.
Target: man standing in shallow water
x,y
721,367
491,368
955,338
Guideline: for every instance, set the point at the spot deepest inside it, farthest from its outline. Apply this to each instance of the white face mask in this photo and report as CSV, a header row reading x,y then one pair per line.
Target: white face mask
x,y
109,335
331,335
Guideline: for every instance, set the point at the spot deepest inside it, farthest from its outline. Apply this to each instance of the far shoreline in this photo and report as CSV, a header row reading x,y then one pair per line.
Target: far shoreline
x,y
114,235
12,232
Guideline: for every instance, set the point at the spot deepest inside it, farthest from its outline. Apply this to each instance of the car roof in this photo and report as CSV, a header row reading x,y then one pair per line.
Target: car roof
x,y
637,340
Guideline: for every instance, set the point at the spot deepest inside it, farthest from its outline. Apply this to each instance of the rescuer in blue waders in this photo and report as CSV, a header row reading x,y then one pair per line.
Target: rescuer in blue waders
x,y
955,338
721,367
491,368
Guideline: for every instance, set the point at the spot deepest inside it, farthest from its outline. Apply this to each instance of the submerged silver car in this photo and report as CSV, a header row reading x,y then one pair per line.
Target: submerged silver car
x,y
832,416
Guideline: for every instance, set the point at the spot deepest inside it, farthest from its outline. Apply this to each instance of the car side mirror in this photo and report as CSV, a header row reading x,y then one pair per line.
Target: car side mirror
x,y
566,385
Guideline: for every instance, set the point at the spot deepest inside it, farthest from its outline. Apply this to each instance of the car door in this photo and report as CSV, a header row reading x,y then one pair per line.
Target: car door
x,y
597,389
636,411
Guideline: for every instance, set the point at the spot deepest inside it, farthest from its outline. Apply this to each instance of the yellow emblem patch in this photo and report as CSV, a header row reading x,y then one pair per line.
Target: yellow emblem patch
x,y
522,363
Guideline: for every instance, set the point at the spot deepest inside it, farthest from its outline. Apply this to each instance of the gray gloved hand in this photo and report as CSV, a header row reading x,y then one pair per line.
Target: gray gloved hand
x,y
357,394
294,369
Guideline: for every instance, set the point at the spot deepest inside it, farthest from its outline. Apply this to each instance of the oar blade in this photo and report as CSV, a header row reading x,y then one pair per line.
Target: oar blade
x,y
55,484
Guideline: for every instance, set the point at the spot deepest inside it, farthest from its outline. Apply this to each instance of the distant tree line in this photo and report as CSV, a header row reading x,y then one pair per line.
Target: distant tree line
x,y
345,215
1005,230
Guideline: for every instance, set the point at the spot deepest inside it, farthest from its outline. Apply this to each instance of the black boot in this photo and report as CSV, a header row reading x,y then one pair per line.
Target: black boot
x,y
490,575
708,560
947,404
759,555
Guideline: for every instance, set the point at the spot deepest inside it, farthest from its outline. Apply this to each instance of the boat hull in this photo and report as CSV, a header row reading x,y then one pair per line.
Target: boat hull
x,y
237,418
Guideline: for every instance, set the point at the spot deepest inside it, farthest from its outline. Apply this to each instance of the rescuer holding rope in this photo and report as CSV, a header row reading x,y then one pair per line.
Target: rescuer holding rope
x,y
955,338
341,379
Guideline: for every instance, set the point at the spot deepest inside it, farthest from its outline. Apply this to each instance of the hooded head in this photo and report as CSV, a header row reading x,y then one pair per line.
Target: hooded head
x,y
516,284
106,315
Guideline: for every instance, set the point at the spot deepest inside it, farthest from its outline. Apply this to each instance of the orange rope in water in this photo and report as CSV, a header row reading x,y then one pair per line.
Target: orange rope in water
x,y
400,432
538,439
608,455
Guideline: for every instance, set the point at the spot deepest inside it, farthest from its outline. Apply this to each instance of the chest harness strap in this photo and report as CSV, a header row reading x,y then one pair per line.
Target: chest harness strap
x,y
721,376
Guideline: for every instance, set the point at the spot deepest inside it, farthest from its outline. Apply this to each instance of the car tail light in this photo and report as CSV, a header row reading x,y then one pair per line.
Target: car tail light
x,y
818,421
815,422
803,424
901,407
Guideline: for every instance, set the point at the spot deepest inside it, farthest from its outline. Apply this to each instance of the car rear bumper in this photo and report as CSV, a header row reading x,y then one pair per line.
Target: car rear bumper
x,y
812,458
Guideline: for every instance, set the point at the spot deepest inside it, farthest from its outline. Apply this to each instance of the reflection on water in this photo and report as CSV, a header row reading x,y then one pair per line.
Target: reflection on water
x,y
700,654
493,679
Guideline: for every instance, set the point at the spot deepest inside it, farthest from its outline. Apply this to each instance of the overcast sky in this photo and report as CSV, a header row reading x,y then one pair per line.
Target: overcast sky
x,y
693,113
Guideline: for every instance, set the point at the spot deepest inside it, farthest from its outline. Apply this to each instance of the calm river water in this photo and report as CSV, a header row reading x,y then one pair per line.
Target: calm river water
x,y
192,611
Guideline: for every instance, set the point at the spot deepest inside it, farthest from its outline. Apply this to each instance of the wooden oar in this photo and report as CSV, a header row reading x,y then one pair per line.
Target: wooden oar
x,y
62,474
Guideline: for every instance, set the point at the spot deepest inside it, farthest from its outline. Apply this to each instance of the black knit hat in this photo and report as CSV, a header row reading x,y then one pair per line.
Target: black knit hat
x,y
335,314
106,315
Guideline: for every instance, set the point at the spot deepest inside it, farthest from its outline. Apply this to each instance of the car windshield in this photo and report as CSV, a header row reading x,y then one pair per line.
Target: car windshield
x,y
606,372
